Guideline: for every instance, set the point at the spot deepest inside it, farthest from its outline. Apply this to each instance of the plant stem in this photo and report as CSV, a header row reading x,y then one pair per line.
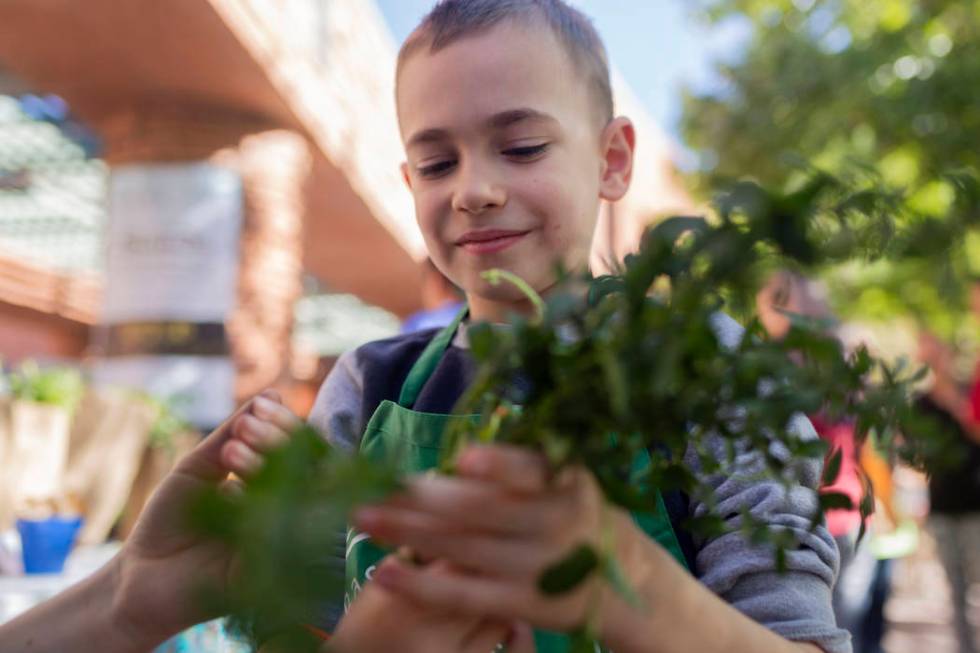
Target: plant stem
x,y
496,276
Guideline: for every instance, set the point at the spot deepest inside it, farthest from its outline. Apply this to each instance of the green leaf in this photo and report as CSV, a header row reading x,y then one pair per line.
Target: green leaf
x,y
672,228
835,501
626,495
781,560
566,574
581,642
612,571
866,508
832,469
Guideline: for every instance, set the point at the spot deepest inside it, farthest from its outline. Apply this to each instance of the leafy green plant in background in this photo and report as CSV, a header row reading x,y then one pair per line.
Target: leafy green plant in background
x,y
633,365
54,386
168,421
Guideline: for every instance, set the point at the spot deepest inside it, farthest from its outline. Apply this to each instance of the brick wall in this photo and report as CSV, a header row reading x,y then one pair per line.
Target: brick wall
x,y
28,333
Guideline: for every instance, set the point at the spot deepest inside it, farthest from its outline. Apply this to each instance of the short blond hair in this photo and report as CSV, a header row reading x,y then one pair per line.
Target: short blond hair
x,y
451,20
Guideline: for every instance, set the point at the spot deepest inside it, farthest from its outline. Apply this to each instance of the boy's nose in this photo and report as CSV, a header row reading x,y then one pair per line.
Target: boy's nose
x,y
477,193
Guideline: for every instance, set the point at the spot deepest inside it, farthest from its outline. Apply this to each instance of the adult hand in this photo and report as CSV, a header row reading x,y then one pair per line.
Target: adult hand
x,y
145,594
163,562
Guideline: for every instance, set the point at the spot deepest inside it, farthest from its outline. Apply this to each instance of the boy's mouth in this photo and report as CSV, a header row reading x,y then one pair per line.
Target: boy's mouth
x,y
489,241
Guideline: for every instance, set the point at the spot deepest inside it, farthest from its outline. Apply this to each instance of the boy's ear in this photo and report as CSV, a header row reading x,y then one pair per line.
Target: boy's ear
x,y
405,177
618,147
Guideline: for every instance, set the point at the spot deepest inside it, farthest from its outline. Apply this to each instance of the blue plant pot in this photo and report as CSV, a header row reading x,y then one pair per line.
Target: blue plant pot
x,y
47,542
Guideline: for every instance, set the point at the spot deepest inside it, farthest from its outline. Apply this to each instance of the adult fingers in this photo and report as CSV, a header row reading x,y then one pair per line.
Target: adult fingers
x,y
268,406
260,435
263,427
241,459
516,468
272,394
232,487
205,460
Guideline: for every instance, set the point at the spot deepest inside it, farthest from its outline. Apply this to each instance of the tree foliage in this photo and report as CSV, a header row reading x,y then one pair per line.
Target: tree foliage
x,y
887,87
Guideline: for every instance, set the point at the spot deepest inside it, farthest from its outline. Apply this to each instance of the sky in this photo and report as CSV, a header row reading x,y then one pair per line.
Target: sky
x,y
658,45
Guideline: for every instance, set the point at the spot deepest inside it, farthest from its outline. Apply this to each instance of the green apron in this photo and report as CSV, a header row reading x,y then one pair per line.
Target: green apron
x,y
413,439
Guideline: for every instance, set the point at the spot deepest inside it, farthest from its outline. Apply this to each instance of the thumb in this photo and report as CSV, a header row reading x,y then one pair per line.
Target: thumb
x,y
204,461
272,395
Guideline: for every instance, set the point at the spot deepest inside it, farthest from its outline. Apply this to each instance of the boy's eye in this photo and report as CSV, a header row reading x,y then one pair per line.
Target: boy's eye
x,y
436,169
525,151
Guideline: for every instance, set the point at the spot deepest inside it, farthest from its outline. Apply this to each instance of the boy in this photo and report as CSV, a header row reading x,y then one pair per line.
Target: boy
x,y
506,114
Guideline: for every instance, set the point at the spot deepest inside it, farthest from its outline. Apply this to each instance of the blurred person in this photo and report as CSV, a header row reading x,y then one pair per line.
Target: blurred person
x,y
954,492
441,301
787,294
972,406
145,594
863,581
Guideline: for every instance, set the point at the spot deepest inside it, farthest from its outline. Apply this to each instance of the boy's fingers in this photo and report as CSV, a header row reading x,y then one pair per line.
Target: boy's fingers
x,y
453,592
488,597
516,468
521,639
485,637
396,526
481,505
434,538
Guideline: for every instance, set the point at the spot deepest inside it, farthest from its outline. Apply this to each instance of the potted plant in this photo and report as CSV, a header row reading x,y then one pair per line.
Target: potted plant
x,y
170,437
41,407
43,400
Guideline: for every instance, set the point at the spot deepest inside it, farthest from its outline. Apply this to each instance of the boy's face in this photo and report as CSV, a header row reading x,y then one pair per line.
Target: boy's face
x,y
505,160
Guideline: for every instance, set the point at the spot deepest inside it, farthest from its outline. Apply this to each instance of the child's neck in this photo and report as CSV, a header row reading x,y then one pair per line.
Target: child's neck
x,y
496,312
483,309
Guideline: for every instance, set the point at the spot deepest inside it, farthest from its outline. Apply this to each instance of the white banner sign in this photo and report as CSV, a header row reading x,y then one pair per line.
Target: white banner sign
x,y
171,280
172,244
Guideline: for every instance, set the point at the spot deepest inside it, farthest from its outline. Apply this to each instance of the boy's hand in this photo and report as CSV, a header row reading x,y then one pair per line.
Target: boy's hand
x,y
380,621
163,563
504,523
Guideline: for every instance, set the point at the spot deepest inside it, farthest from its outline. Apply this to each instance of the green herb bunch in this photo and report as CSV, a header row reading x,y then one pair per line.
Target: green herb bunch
x,y
615,367
168,421
284,531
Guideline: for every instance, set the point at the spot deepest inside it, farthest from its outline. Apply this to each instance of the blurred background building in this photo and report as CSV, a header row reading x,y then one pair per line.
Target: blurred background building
x,y
202,197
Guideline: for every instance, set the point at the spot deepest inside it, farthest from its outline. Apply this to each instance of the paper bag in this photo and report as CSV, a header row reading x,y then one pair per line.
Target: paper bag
x,y
109,435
